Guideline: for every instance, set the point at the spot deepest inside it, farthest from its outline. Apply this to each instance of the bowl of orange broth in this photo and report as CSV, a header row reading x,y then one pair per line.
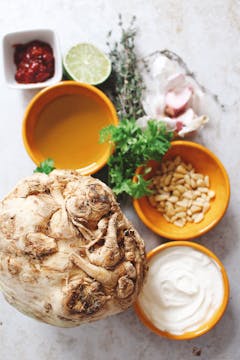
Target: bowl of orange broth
x,y
63,122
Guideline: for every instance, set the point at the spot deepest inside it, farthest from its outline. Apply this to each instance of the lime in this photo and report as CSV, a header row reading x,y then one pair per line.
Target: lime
x,y
86,63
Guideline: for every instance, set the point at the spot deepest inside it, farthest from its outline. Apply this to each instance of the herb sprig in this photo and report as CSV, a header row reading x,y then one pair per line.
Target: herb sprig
x,y
45,166
127,83
133,147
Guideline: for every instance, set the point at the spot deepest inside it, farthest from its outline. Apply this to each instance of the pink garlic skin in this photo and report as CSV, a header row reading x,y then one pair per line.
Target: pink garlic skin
x,y
177,101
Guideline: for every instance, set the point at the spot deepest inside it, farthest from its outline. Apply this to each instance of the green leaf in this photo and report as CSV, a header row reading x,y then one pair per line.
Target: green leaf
x,y
134,147
45,166
106,133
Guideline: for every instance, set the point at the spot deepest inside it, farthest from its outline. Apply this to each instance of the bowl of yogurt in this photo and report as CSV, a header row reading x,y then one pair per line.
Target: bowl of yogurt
x,y
185,293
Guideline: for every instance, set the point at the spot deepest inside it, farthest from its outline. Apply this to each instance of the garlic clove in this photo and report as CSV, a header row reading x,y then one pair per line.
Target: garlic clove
x,y
177,101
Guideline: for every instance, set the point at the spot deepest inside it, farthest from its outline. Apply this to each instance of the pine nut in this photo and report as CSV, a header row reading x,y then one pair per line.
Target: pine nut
x,y
180,181
180,222
188,195
197,217
211,194
167,218
187,179
181,169
161,197
200,182
176,193
173,199
181,215
179,209
206,180
206,207
203,189
180,188
178,175
189,212
195,209
181,194
193,183
183,203
167,180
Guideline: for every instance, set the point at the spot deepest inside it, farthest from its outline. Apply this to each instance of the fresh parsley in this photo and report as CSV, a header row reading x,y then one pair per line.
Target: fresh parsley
x,y
45,166
133,147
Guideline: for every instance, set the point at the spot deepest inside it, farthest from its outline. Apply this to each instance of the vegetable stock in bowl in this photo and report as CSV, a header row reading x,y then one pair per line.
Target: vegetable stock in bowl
x,y
67,131
63,123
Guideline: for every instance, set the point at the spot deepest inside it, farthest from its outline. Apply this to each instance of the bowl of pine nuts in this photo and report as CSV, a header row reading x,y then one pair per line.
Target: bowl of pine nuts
x,y
190,192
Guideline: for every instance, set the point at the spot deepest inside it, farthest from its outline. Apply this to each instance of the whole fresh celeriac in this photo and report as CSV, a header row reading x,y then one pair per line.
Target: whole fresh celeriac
x,y
68,255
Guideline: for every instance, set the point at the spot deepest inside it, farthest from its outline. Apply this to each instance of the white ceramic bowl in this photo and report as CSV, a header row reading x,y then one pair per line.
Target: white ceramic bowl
x,y
22,37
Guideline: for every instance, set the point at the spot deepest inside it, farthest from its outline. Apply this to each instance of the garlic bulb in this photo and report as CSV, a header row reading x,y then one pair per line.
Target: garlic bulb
x,y
172,97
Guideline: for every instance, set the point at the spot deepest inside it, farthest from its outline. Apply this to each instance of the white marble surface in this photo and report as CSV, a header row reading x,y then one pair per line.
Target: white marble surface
x,y
206,35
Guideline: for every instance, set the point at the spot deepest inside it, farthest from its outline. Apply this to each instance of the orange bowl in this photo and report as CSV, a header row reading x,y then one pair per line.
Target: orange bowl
x,y
215,318
205,162
63,121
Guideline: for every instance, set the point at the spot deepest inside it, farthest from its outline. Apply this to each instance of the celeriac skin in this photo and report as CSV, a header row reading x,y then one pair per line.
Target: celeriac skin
x,y
68,255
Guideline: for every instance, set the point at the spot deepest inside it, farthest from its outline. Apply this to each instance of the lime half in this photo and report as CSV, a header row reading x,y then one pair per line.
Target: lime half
x,y
86,63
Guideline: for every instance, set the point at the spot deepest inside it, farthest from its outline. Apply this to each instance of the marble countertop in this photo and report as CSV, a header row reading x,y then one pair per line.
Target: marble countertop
x,y
205,34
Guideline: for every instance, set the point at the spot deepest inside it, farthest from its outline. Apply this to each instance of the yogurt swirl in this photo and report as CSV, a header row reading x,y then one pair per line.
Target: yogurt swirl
x,y
183,290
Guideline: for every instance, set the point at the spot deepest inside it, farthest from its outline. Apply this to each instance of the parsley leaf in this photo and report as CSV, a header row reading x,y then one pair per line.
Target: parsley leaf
x,y
45,167
133,147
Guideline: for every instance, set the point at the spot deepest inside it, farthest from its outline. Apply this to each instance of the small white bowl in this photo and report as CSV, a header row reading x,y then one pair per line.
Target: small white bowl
x,y
22,37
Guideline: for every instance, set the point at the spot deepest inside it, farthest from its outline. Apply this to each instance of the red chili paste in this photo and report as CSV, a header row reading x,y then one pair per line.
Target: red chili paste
x,y
34,61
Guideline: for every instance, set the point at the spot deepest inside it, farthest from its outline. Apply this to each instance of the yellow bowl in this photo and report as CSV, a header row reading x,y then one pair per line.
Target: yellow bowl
x,y
218,314
63,121
205,162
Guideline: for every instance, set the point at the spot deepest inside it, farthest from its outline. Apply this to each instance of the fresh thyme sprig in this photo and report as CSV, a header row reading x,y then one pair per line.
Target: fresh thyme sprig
x,y
127,85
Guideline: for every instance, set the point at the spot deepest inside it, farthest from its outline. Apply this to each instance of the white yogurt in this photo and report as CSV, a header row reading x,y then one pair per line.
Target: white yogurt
x,y
183,289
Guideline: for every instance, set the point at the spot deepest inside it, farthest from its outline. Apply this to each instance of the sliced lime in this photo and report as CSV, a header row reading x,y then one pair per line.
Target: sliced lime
x,y
86,63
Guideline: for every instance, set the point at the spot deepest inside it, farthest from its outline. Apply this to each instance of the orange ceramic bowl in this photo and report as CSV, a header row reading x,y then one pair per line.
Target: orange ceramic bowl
x,y
63,122
205,162
218,314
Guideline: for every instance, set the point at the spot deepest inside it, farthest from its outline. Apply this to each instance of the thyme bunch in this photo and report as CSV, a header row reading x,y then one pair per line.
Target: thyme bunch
x,y
127,82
